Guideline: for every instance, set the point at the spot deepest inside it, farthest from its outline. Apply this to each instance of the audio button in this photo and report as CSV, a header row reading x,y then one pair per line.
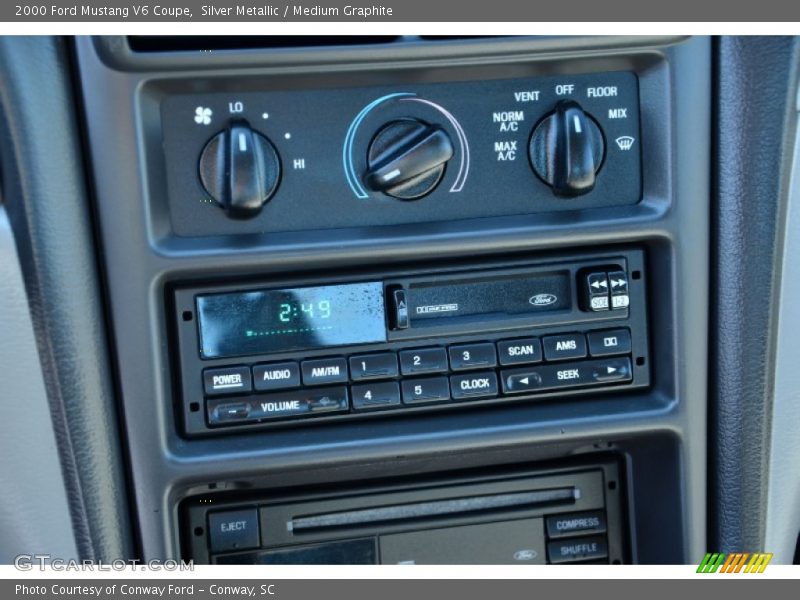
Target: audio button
x,y
276,376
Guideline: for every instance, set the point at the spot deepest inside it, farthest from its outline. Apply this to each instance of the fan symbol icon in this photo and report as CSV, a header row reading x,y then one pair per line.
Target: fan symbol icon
x,y
202,115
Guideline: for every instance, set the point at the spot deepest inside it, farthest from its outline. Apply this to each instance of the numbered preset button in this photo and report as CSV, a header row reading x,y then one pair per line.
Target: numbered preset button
x,y
373,366
472,356
423,360
428,389
373,396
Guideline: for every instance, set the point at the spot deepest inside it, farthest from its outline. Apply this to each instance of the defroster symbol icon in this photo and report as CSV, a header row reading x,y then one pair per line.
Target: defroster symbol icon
x,y
625,142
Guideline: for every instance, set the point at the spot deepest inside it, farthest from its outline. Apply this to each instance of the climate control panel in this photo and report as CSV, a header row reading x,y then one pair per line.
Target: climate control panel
x,y
309,159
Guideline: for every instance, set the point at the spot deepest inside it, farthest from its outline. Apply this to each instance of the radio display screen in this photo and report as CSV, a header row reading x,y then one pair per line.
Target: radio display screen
x,y
280,320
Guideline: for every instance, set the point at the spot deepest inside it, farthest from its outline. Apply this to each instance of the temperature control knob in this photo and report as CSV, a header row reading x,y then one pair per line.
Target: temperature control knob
x,y
240,169
566,150
407,159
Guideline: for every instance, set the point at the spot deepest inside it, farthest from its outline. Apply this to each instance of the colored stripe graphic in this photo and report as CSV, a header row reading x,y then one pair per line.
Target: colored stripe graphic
x,y
711,563
758,563
734,562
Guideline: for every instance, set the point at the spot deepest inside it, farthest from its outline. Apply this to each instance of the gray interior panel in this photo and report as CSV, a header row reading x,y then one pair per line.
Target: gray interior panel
x,y
783,496
664,425
34,514
48,205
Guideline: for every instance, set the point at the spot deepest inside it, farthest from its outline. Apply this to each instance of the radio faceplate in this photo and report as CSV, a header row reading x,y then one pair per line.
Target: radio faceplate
x,y
567,514
285,353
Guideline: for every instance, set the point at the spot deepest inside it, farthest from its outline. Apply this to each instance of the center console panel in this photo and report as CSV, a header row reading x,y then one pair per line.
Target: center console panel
x,y
373,304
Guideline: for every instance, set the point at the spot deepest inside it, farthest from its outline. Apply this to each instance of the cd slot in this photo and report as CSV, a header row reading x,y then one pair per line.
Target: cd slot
x,y
411,512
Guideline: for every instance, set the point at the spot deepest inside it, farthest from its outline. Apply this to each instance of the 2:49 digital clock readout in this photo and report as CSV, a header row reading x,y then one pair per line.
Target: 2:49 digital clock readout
x,y
265,321
290,311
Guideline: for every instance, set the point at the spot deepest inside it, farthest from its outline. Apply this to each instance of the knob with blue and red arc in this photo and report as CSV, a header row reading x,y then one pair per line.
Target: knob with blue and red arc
x,y
407,158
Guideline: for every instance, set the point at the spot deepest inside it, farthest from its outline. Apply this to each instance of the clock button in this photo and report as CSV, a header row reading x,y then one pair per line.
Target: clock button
x,y
324,370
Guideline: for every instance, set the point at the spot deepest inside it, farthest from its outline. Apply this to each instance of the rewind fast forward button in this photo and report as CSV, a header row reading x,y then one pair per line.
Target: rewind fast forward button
x,y
599,285
597,291
618,281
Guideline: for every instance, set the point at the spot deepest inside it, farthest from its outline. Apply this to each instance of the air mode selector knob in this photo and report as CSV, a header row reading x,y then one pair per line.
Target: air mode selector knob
x,y
240,169
407,159
566,150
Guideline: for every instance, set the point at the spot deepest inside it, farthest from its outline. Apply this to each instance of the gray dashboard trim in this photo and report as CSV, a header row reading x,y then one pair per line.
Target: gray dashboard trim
x,y
34,513
117,54
783,483
45,194
754,141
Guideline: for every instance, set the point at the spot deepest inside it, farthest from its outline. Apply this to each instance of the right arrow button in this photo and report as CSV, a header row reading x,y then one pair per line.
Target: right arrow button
x,y
613,369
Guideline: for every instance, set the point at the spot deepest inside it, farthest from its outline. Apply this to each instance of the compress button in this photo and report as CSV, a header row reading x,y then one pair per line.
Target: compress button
x,y
573,524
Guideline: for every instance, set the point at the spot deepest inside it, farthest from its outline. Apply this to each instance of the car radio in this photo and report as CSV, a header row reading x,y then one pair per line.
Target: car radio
x,y
302,351
554,515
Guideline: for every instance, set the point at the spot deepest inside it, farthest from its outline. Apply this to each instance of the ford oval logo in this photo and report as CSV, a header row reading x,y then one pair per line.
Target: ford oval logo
x,y
525,555
543,299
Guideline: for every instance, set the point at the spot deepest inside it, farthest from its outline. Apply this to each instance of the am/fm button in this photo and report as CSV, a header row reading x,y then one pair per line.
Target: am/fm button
x,y
324,370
